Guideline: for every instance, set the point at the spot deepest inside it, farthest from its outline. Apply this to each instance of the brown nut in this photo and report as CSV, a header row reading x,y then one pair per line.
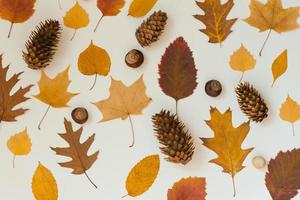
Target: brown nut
x,y
213,88
134,58
80,115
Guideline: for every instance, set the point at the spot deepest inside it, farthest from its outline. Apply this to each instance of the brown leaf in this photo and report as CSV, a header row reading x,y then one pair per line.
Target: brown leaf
x,y
9,102
80,162
177,71
283,178
217,26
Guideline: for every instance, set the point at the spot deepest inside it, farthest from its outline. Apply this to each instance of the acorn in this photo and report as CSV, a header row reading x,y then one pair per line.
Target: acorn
x,y
80,115
134,58
213,88
259,162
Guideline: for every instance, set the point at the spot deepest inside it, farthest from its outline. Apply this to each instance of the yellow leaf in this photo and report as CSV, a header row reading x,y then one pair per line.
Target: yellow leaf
x,y
139,8
279,66
94,60
290,111
54,91
142,175
227,142
43,184
242,60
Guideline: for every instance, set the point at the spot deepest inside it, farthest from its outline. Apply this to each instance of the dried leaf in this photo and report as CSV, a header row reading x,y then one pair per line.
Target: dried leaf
x,y
9,100
44,184
177,71
279,66
80,162
283,178
192,188
124,101
142,176
215,19
227,142
16,11
272,16
94,61
290,111
76,18
242,60
19,144
139,8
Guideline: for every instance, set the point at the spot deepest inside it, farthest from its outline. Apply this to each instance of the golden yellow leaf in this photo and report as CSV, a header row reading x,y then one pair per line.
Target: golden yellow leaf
x,y
279,66
139,8
227,142
142,175
290,111
94,60
242,60
44,184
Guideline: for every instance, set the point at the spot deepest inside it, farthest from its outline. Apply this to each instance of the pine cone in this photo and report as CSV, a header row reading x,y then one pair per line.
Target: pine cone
x,y
177,142
151,29
251,103
42,44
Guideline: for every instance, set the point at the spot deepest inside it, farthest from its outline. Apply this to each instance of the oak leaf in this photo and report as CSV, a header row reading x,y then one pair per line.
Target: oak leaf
x,y
177,70
16,11
218,27
192,188
44,184
279,66
272,16
139,8
227,142
142,176
94,61
109,8
80,162
124,101
76,18
242,60
8,99
290,111
283,177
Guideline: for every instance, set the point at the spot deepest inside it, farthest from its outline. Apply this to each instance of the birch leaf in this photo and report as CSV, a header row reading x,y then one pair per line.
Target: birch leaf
x,y
279,66
290,111
139,8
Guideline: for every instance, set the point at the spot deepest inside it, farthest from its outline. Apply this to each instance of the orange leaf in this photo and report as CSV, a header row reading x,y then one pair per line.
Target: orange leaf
x,y
290,111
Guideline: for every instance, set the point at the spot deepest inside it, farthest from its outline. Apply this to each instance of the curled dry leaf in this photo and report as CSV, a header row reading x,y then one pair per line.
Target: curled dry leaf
x,y
279,66
139,8
192,188
290,111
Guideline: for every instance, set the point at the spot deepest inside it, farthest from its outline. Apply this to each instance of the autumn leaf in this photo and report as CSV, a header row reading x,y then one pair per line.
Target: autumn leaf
x,y
76,18
283,177
109,8
142,176
215,19
272,16
53,91
227,142
94,61
139,8
8,99
124,102
242,60
290,111
279,66
16,11
192,188
80,162
44,184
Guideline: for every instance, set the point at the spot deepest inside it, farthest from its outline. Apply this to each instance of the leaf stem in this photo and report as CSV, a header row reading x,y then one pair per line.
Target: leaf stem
x,y
132,131
74,33
90,180
265,42
98,23
59,4
126,195
95,80
234,187
10,29
242,77
176,107
293,127
39,126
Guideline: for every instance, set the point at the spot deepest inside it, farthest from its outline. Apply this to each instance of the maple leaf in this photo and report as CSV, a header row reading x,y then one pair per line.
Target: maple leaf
x,y
192,188
290,111
215,19
177,71
9,102
272,16
227,142
16,11
283,177
80,162
124,101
